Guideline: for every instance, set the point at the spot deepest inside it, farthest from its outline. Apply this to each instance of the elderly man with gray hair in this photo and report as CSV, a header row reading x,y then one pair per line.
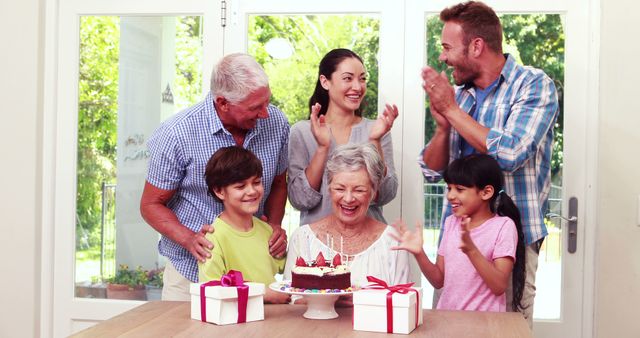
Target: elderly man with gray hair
x,y
236,112
354,174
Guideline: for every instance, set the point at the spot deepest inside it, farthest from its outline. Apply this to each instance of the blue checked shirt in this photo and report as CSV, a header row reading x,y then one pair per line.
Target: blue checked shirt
x,y
521,113
180,149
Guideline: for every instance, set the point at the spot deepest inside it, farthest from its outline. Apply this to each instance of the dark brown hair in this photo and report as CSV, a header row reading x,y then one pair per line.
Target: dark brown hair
x,y
328,65
230,165
478,21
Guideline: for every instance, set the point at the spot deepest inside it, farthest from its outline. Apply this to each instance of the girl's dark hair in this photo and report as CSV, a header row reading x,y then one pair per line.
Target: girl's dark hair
x,y
327,66
230,165
479,171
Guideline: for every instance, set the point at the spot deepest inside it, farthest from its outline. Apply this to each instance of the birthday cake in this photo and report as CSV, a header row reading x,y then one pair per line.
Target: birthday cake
x,y
320,274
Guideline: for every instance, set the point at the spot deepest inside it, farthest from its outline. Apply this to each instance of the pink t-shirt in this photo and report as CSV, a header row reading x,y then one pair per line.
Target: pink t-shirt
x,y
463,287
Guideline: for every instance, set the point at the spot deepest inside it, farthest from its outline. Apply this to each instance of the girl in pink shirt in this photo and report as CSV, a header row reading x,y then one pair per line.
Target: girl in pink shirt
x,y
482,243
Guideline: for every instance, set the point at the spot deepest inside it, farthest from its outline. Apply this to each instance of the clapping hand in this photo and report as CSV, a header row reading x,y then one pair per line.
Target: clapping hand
x,y
441,121
319,128
407,240
384,122
441,93
466,243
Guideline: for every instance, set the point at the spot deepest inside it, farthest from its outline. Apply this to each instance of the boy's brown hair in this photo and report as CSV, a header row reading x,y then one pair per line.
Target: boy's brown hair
x,y
230,165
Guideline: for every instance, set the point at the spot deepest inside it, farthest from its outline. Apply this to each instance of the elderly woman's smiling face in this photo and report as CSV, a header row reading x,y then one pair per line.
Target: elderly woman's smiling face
x,y
351,193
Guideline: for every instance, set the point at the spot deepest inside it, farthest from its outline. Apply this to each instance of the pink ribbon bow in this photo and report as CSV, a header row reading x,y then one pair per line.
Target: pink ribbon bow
x,y
379,284
233,278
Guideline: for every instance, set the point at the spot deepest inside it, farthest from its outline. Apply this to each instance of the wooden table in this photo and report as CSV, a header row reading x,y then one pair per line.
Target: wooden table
x,y
172,319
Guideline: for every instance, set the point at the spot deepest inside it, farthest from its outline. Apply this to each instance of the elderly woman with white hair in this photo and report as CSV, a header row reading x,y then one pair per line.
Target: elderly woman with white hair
x,y
354,174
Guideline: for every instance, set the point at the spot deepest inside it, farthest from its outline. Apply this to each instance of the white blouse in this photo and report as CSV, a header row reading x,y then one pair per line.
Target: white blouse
x,y
378,260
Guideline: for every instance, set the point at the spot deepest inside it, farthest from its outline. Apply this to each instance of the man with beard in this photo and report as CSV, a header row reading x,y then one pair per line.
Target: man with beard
x,y
498,108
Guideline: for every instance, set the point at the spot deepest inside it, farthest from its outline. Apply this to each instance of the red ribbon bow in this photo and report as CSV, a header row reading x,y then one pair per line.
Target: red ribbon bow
x,y
379,284
233,278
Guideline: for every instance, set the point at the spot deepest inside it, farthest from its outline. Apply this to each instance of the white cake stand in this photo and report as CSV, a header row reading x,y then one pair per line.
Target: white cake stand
x,y
319,305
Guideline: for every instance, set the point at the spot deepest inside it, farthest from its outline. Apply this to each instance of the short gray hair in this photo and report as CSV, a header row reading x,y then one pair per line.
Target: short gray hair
x,y
353,157
236,76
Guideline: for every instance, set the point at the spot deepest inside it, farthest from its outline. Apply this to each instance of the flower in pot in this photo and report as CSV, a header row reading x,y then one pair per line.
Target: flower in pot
x,y
154,284
127,284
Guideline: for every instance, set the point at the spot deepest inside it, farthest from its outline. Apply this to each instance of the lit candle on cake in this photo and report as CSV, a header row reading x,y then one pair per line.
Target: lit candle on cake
x,y
341,248
332,251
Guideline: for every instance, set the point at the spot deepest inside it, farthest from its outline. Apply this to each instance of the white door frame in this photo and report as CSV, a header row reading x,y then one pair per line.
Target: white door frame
x,y
60,310
581,79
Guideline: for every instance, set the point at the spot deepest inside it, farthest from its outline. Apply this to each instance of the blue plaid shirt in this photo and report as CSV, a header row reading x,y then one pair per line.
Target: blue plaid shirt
x,y
521,113
180,149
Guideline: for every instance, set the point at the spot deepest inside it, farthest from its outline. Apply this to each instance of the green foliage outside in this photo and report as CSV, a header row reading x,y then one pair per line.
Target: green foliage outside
x,y
98,116
187,88
292,80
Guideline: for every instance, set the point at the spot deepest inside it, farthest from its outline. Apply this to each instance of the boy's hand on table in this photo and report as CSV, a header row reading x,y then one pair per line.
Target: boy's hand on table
x,y
273,297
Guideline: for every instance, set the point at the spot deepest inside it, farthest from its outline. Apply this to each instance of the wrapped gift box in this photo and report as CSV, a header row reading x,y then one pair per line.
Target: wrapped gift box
x,y
370,310
222,303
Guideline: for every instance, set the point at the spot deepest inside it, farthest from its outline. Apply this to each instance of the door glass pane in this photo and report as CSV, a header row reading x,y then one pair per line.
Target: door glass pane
x,y
134,73
536,40
290,48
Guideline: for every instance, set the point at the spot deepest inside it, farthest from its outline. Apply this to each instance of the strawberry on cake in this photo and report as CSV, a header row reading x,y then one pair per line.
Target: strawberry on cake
x,y
320,274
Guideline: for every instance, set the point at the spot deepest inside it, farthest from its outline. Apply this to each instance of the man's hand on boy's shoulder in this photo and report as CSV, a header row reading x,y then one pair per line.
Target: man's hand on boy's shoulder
x,y
207,228
197,243
278,240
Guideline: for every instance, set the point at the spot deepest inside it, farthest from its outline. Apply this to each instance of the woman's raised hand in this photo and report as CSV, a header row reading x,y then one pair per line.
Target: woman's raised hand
x,y
319,128
384,122
407,240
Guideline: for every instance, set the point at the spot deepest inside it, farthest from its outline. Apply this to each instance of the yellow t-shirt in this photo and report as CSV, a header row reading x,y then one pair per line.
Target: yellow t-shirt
x,y
247,252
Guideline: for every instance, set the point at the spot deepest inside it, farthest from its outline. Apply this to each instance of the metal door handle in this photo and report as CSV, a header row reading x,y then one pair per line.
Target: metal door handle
x,y
554,215
572,222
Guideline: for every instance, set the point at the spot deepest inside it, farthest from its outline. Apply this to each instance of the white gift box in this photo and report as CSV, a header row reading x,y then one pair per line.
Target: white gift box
x,y
370,310
222,303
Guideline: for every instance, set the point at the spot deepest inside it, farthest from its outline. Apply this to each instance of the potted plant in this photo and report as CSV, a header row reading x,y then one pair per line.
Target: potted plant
x,y
91,289
127,284
154,284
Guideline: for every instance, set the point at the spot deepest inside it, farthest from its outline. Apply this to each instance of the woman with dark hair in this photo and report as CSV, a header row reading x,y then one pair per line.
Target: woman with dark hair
x,y
335,119
482,244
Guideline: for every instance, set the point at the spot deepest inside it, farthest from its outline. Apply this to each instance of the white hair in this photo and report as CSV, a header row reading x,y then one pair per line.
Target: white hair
x,y
236,76
353,157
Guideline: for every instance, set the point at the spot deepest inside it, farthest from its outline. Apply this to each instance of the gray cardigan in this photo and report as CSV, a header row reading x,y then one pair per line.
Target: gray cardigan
x,y
314,205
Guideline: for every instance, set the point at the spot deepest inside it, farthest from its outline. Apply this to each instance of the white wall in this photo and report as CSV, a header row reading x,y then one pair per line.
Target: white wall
x,y
20,103
618,253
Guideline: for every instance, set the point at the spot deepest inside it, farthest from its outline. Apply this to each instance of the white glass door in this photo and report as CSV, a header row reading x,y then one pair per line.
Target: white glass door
x,y
122,67
559,306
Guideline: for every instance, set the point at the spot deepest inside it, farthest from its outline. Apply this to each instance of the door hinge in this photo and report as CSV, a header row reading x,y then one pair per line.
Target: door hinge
x,y
223,13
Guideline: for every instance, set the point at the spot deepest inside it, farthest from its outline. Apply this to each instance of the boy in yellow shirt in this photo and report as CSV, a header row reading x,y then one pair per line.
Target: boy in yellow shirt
x,y
240,240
